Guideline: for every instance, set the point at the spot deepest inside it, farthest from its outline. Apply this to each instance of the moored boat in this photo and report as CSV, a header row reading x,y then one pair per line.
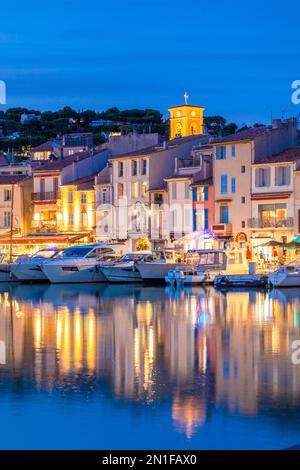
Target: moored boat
x,y
28,269
125,268
287,275
242,280
81,263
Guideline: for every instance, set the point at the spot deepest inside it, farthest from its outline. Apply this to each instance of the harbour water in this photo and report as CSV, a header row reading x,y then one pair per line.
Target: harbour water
x,y
120,366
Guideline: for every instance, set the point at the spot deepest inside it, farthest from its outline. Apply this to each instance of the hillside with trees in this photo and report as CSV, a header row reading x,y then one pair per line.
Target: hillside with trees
x,y
49,124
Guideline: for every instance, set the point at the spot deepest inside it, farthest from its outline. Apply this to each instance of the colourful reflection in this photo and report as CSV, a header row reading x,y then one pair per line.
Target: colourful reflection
x,y
190,348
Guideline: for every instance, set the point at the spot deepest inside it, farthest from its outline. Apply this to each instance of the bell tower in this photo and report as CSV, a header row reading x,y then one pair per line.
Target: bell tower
x,y
186,119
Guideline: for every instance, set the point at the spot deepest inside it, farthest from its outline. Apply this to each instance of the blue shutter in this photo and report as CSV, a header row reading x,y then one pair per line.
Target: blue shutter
x,y
223,152
224,215
224,184
233,151
205,193
194,220
205,219
194,194
218,152
233,184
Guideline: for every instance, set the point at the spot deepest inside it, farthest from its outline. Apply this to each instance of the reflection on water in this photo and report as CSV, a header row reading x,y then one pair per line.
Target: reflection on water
x,y
192,357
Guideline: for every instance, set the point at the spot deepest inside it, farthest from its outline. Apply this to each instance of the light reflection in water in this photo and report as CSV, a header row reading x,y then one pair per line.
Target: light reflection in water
x,y
198,348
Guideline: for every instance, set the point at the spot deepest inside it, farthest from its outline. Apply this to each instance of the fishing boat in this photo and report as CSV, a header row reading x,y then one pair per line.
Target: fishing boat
x,y
287,275
125,268
28,269
81,263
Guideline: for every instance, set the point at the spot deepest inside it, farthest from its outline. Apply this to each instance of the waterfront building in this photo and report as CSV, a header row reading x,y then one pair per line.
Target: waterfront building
x,y
105,221
135,174
233,157
275,198
51,214
15,207
77,205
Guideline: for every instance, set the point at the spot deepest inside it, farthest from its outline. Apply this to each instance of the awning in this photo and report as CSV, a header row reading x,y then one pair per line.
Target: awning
x,y
36,239
272,243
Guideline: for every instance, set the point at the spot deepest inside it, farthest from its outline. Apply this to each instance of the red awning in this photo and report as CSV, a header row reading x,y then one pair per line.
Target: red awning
x,y
42,240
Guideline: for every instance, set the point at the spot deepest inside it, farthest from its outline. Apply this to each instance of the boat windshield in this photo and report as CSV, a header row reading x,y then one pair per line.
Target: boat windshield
x,y
132,257
46,253
76,252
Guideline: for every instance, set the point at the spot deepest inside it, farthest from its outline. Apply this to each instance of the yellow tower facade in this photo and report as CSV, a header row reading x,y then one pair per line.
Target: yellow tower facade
x,y
186,120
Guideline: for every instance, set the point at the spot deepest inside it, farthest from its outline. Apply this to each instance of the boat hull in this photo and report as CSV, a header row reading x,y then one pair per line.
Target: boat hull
x,y
158,272
121,274
79,273
245,280
284,280
30,272
6,274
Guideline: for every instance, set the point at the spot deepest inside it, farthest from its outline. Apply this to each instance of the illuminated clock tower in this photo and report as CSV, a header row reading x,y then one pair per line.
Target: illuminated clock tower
x,y
186,119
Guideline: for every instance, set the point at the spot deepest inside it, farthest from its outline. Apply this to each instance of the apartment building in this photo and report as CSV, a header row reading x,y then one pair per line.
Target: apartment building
x,y
105,219
275,198
47,182
77,205
232,169
15,206
135,174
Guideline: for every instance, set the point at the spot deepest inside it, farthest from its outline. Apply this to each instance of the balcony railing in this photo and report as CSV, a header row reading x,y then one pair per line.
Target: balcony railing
x,y
46,196
271,222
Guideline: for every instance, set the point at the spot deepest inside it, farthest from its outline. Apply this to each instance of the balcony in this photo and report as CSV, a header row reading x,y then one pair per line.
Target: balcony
x,y
221,229
271,222
46,196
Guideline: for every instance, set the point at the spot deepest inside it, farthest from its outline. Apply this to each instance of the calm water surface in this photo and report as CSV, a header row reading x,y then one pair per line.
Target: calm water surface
x,y
95,367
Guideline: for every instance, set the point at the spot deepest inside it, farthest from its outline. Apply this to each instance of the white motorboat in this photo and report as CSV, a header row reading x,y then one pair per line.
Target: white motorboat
x,y
164,261
81,263
205,265
28,269
125,268
286,276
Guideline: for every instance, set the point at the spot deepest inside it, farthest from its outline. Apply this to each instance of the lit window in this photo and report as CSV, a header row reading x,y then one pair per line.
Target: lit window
x,y
144,189
135,190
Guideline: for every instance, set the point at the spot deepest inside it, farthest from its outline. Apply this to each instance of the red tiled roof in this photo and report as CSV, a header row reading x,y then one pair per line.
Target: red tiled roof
x,y
86,182
289,155
158,148
59,163
45,147
12,179
247,134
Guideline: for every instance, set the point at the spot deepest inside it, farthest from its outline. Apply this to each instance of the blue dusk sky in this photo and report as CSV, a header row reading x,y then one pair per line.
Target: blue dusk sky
x,y
234,58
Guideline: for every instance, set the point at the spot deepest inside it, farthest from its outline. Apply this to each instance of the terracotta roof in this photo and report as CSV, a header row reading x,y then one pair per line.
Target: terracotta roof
x,y
59,163
158,148
86,182
45,147
247,134
12,179
289,155
202,182
180,177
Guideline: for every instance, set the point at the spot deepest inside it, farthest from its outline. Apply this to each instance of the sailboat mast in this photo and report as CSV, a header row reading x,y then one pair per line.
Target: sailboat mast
x,y
11,222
